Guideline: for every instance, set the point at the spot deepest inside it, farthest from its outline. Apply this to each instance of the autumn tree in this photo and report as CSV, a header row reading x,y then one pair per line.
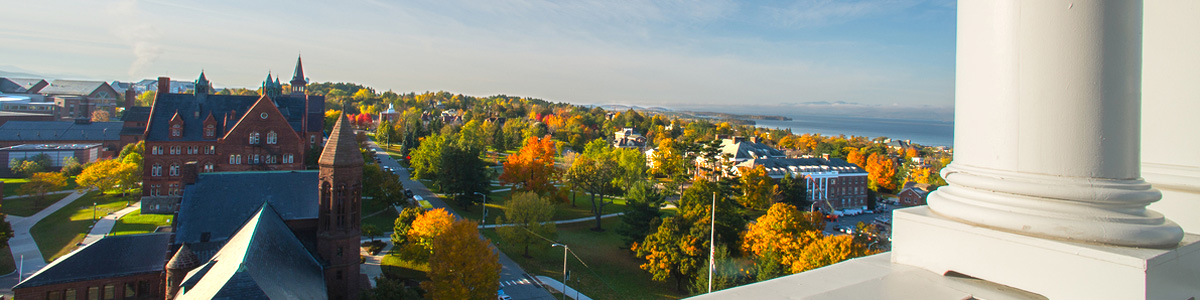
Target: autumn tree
x,y
856,158
677,249
108,174
532,168
425,228
881,172
403,223
100,115
594,175
828,250
783,231
41,183
463,264
757,188
530,216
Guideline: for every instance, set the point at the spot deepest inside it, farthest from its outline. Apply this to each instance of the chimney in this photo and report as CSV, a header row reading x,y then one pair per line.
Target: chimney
x,y
754,139
130,97
189,173
164,85
825,156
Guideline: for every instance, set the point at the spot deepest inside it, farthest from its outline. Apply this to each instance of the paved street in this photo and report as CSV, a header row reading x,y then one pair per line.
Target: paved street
x,y
522,287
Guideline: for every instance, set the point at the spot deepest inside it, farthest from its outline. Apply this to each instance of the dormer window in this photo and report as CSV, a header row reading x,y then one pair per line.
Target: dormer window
x,y
210,131
272,138
254,138
176,130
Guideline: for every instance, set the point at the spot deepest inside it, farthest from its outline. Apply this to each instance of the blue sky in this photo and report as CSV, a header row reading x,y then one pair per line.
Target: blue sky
x,y
892,53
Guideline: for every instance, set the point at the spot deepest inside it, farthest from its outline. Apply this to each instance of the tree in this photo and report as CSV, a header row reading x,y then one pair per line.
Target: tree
x,y
881,172
390,289
463,174
71,166
828,250
595,176
102,175
757,188
532,168
145,98
530,215
792,190
782,232
26,167
6,231
463,265
100,115
427,158
370,231
403,223
423,231
673,251
725,275
631,167
41,183
642,206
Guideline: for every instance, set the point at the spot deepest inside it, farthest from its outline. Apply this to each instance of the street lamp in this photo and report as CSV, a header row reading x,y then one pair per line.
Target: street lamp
x,y
93,211
564,282
484,220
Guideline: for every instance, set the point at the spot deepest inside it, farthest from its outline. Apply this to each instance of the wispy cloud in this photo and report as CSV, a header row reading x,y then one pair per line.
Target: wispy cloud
x,y
813,13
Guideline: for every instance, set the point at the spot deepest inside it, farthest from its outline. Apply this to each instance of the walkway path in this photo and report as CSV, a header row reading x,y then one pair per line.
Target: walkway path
x,y
584,219
47,194
105,225
24,250
372,266
558,286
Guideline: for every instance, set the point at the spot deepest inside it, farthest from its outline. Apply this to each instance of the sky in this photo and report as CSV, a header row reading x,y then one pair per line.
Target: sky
x,y
778,56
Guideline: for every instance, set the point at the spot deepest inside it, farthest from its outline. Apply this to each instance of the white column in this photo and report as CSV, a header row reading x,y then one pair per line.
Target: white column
x,y
1047,119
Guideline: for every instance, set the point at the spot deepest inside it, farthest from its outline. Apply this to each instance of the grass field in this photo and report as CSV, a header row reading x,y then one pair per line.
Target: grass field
x,y
60,232
611,272
378,214
136,222
27,206
395,267
12,184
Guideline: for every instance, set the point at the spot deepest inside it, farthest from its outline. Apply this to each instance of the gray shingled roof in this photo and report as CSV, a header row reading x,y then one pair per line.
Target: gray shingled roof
x,y
112,256
18,85
263,260
220,202
748,150
51,131
166,105
813,164
73,87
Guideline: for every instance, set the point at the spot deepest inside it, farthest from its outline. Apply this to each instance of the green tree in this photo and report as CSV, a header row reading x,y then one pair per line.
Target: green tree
x,y
71,166
725,275
791,190
403,223
631,165
370,231
530,216
594,175
28,166
427,158
674,250
642,206
387,288
463,173
385,132
463,265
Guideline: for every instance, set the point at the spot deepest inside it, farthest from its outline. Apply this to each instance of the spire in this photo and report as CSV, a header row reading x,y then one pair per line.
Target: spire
x,y
298,75
202,85
341,149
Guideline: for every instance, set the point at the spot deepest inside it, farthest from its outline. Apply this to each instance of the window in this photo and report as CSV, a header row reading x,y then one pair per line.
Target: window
x,y
210,131
109,292
130,293
235,159
174,170
174,150
193,150
69,294
287,158
254,158
174,189
154,189
254,138
56,295
208,167
93,293
176,130
210,150
272,138
312,139
156,150
156,170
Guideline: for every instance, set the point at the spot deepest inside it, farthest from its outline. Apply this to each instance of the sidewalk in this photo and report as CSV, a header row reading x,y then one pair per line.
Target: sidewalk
x,y
372,266
105,224
583,219
24,250
558,286
49,193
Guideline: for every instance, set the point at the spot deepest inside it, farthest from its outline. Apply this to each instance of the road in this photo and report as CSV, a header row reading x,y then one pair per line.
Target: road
x,y
515,282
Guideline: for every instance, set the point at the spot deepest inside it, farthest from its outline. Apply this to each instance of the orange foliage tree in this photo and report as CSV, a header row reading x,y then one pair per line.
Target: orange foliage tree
x,y
463,265
855,157
757,188
532,168
424,230
783,231
881,172
828,250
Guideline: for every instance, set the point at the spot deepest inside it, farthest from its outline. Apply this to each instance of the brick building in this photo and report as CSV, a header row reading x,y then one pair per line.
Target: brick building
x,y
272,131
914,194
107,134
832,183
115,267
78,98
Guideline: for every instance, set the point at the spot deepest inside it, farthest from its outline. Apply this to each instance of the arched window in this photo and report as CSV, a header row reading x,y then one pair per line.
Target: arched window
x,y
272,138
210,131
156,170
176,130
253,138
174,170
208,167
239,159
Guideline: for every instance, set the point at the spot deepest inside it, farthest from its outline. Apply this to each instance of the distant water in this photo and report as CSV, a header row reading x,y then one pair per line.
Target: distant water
x,y
929,133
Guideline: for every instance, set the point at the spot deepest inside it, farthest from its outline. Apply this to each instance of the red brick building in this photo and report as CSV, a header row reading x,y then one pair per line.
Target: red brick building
x,y
116,267
273,131
914,194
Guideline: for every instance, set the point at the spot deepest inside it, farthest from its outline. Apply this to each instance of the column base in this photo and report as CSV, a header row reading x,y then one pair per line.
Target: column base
x,y
1055,269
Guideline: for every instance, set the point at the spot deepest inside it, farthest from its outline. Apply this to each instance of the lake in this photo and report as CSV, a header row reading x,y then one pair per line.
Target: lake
x,y
928,133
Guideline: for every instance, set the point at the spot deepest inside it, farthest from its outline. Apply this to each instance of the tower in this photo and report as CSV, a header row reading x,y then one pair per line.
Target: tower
x,y
184,261
338,215
271,87
202,85
298,81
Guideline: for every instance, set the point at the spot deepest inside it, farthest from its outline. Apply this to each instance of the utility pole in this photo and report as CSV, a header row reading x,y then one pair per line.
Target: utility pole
x,y
712,238
564,282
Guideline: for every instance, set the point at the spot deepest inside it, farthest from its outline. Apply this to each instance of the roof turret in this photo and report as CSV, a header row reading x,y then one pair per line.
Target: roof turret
x,y
184,259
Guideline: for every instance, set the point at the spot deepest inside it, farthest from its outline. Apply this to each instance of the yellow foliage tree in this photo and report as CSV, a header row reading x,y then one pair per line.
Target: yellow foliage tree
x,y
424,230
784,230
828,250
757,188
41,183
462,265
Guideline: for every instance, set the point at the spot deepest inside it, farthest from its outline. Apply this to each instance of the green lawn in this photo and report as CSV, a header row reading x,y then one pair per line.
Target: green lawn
x,y
27,206
136,222
395,267
59,232
12,184
378,214
613,273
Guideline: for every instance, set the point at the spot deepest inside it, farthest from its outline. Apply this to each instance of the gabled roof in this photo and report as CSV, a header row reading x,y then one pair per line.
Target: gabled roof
x,y
742,149
136,114
263,260
111,256
224,108
219,202
73,87
779,166
51,131
21,85
341,149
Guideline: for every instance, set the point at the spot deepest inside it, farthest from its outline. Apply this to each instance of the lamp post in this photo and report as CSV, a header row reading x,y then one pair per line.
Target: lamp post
x,y
564,282
93,211
484,220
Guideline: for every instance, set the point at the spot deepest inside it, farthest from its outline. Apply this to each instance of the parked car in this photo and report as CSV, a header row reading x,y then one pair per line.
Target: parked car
x,y
500,295
408,193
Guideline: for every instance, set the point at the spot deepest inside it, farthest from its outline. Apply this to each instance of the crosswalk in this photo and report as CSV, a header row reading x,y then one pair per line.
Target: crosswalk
x,y
515,282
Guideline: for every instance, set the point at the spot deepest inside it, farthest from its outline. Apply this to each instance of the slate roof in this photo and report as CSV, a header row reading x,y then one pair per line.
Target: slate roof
x,y
226,109
73,87
220,202
51,131
778,166
742,149
263,260
19,85
341,149
112,256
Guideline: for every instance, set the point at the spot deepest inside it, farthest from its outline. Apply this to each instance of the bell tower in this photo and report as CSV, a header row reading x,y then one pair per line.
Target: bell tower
x,y
298,82
338,229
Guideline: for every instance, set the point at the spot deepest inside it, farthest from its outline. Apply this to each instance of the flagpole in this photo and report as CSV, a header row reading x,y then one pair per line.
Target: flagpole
x,y
712,241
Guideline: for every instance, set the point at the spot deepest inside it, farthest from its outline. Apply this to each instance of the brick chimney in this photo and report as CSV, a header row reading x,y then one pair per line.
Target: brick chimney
x,y
825,156
130,97
190,172
164,85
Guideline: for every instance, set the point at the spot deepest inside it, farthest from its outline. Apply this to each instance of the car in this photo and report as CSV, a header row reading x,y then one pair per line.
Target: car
x,y
500,295
408,193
